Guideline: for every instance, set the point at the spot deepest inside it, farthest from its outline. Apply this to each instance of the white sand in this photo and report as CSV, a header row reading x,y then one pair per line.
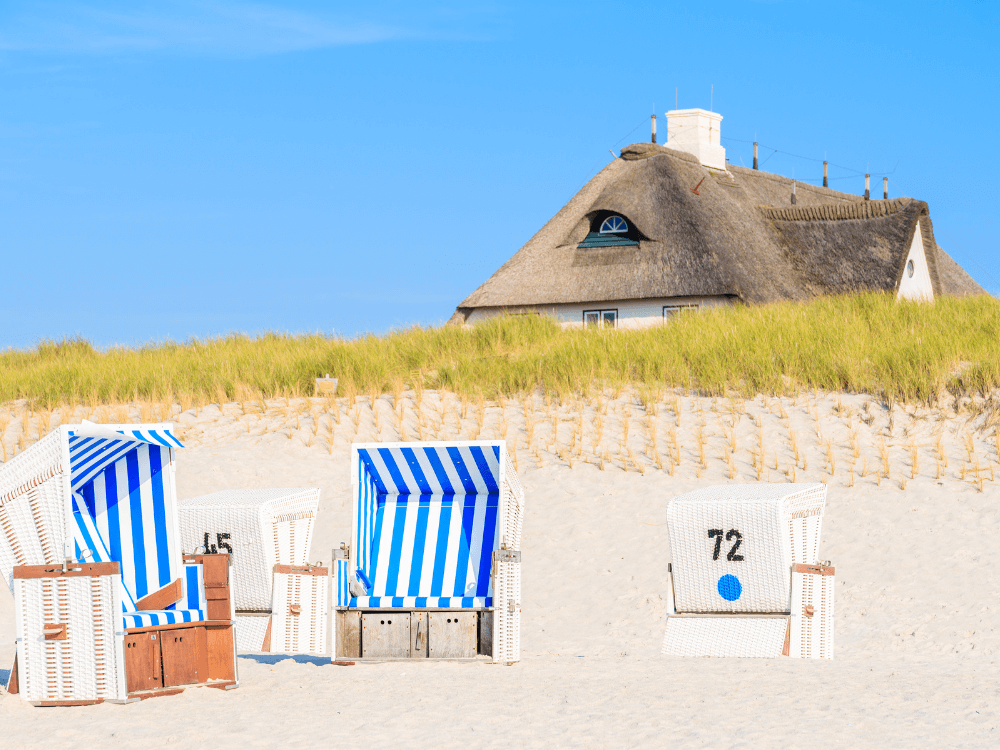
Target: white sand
x,y
917,595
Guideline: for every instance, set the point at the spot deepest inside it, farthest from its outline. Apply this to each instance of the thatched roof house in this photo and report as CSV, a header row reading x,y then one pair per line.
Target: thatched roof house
x,y
657,231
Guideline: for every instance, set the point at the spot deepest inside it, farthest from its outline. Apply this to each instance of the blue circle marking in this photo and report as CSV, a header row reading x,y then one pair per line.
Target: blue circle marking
x,y
730,587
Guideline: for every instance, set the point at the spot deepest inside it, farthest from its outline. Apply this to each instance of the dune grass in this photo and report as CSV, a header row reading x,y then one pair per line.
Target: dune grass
x,y
865,343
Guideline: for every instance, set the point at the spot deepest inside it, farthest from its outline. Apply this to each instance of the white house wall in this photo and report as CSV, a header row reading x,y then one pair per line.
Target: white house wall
x,y
639,313
918,286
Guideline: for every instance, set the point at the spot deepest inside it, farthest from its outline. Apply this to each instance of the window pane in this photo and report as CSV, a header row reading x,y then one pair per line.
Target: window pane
x,y
609,317
591,318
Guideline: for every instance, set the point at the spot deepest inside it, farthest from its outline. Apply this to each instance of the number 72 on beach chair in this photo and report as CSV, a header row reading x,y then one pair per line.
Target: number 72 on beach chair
x,y
744,577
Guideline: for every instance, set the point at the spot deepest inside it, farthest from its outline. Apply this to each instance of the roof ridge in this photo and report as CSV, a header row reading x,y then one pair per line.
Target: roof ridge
x,y
837,212
818,189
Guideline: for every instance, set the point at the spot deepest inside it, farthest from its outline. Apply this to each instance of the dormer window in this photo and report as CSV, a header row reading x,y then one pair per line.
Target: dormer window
x,y
614,225
608,229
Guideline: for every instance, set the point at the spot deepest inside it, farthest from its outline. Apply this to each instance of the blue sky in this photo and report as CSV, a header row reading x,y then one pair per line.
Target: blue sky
x,y
179,169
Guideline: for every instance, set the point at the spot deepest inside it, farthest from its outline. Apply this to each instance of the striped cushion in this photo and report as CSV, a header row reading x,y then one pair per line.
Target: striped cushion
x,y
425,526
151,618
445,602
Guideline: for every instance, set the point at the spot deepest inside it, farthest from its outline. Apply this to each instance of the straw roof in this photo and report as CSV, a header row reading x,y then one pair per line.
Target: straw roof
x,y
738,237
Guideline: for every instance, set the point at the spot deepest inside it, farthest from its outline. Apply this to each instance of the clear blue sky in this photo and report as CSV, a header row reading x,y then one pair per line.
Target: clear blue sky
x,y
179,169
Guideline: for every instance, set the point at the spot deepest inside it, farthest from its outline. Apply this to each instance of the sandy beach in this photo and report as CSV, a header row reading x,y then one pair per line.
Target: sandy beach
x,y
911,523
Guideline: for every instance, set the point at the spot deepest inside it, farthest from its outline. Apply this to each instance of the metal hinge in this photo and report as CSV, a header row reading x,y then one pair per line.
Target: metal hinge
x,y
507,555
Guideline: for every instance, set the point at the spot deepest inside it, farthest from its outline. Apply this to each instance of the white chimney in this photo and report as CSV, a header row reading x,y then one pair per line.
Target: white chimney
x,y
697,131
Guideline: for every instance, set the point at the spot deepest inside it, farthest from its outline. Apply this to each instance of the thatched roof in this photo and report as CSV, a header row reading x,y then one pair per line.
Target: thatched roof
x,y
739,236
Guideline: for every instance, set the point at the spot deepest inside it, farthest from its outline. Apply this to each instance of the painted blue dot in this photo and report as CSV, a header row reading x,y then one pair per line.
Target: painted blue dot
x,y
730,587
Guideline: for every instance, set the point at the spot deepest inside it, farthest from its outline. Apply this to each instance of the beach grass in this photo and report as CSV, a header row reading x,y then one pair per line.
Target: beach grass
x,y
861,343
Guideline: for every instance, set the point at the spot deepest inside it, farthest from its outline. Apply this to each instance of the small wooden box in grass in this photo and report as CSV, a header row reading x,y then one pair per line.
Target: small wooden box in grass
x,y
326,386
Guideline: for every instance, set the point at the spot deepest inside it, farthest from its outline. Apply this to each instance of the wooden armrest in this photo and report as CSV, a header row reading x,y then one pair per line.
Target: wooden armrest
x,y
163,598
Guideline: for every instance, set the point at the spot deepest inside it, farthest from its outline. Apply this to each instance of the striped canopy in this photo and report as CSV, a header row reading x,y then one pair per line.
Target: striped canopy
x,y
124,510
425,524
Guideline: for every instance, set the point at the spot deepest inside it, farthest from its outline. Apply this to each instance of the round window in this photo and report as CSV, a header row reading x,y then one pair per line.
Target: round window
x,y
909,268
614,225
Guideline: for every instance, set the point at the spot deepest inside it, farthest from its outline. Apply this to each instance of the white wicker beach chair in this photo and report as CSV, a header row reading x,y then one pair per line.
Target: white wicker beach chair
x,y
281,600
744,577
107,607
433,569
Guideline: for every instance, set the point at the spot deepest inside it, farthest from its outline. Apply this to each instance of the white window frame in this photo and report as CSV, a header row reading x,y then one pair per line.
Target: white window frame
x,y
622,230
678,309
602,317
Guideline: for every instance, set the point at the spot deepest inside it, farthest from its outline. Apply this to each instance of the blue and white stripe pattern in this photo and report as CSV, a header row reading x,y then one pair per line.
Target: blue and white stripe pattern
x,y
123,508
88,456
190,608
426,525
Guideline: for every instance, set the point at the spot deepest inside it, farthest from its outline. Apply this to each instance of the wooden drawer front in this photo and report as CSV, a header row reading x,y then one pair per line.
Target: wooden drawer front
x,y
385,635
180,656
348,635
142,662
453,635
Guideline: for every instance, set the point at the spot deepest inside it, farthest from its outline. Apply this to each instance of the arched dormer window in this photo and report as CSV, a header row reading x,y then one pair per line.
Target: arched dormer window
x,y
614,225
609,229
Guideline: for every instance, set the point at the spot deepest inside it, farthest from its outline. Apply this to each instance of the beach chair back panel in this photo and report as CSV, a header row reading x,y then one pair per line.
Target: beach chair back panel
x,y
732,546
132,509
426,523
428,546
260,528
68,649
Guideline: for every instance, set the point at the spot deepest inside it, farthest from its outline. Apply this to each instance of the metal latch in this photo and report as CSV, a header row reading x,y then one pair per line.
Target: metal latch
x,y
341,554
511,606
507,555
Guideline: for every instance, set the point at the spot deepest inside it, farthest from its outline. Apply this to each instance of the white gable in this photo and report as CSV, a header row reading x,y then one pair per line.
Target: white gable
x,y
916,282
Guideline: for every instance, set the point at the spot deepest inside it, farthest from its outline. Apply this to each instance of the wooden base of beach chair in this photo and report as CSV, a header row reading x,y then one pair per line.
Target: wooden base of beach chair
x,y
188,654
388,635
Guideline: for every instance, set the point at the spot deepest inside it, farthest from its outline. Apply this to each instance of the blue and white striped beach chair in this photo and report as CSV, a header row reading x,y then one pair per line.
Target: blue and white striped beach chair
x,y
106,603
433,567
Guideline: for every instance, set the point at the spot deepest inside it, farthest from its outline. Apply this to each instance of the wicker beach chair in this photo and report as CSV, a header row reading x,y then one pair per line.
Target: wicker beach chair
x,y
745,577
107,606
282,602
433,569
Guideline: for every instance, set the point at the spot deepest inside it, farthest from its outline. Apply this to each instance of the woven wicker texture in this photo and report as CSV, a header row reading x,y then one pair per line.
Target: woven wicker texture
x,y
32,527
812,636
732,546
84,666
36,464
264,528
250,631
762,637
507,613
305,632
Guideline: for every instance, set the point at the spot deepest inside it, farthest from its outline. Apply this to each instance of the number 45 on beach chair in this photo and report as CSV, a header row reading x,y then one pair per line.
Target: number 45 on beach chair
x,y
744,577
107,607
433,569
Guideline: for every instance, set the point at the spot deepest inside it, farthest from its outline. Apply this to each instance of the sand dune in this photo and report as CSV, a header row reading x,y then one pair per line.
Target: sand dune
x,y
917,596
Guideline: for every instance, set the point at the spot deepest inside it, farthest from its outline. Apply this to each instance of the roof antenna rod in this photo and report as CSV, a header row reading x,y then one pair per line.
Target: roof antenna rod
x,y
654,123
